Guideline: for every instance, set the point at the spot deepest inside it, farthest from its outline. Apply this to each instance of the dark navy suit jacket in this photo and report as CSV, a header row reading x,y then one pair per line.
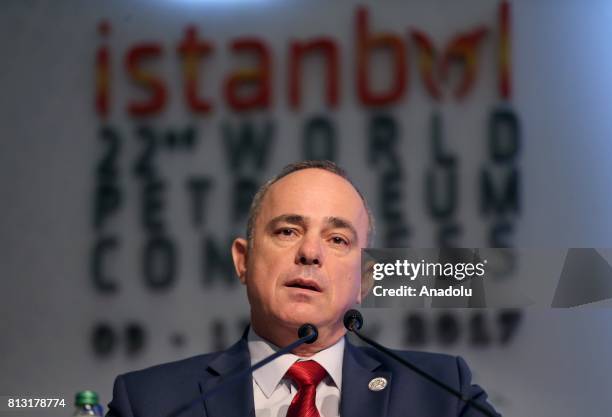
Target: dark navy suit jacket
x,y
162,390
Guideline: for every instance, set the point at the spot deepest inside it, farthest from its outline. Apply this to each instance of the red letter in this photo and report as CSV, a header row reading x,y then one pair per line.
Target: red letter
x,y
259,76
463,48
297,51
505,61
427,62
192,50
366,43
103,73
133,60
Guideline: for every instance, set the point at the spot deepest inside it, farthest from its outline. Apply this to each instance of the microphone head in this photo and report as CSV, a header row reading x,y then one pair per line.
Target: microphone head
x,y
353,320
308,330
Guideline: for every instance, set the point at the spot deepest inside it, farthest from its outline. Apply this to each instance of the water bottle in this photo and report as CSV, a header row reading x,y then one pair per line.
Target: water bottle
x,y
86,403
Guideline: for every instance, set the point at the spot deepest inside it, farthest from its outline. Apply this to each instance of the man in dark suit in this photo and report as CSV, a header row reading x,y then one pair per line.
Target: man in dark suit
x,y
301,263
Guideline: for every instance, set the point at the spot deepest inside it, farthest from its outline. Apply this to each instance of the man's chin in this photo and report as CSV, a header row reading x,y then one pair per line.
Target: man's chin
x,y
297,314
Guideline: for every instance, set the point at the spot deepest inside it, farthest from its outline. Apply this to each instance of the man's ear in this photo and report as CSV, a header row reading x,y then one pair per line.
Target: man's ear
x,y
239,255
367,280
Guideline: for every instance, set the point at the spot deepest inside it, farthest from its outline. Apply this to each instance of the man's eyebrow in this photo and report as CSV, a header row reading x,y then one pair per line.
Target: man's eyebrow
x,y
340,223
287,218
298,220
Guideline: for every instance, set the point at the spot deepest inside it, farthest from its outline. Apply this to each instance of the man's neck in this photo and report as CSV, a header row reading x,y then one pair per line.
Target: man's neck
x,y
283,335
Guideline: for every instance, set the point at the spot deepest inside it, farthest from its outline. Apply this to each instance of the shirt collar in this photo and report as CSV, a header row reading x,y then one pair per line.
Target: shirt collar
x,y
269,376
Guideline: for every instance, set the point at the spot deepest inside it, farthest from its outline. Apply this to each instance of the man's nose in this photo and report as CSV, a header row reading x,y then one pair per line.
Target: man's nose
x,y
310,251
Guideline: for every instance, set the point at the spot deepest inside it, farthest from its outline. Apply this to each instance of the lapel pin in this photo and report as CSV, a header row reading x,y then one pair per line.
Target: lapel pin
x,y
377,384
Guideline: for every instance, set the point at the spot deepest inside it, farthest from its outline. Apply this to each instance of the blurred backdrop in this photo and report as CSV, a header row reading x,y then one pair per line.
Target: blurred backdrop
x,y
134,135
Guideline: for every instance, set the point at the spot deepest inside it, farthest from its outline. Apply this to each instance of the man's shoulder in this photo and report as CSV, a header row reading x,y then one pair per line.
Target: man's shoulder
x,y
440,365
189,368
161,387
427,399
431,358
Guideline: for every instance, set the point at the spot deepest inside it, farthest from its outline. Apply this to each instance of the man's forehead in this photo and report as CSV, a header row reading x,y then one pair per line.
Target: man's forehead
x,y
314,183
313,192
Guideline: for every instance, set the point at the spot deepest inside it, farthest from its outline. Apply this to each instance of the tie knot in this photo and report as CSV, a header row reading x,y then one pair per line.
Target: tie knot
x,y
306,373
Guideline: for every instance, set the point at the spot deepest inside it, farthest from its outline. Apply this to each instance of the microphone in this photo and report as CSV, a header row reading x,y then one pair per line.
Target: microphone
x,y
307,334
353,320
308,331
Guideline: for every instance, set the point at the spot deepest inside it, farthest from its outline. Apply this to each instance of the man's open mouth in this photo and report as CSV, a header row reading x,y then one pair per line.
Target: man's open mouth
x,y
305,284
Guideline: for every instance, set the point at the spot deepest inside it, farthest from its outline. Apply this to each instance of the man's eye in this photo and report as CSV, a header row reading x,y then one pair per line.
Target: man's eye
x,y
287,232
337,240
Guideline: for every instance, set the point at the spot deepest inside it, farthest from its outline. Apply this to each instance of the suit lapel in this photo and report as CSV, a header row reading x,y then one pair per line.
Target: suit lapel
x,y
235,400
357,400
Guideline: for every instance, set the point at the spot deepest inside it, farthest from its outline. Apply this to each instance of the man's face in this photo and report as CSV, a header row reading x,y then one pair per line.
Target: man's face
x,y
304,263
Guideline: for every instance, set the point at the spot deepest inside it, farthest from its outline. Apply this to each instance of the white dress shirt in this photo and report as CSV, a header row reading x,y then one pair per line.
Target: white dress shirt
x,y
273,392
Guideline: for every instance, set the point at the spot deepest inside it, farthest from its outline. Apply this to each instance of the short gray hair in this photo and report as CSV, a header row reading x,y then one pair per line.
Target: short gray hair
x,y
298,166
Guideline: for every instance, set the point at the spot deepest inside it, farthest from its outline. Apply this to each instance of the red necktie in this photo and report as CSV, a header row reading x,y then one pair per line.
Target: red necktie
x,y
307,375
